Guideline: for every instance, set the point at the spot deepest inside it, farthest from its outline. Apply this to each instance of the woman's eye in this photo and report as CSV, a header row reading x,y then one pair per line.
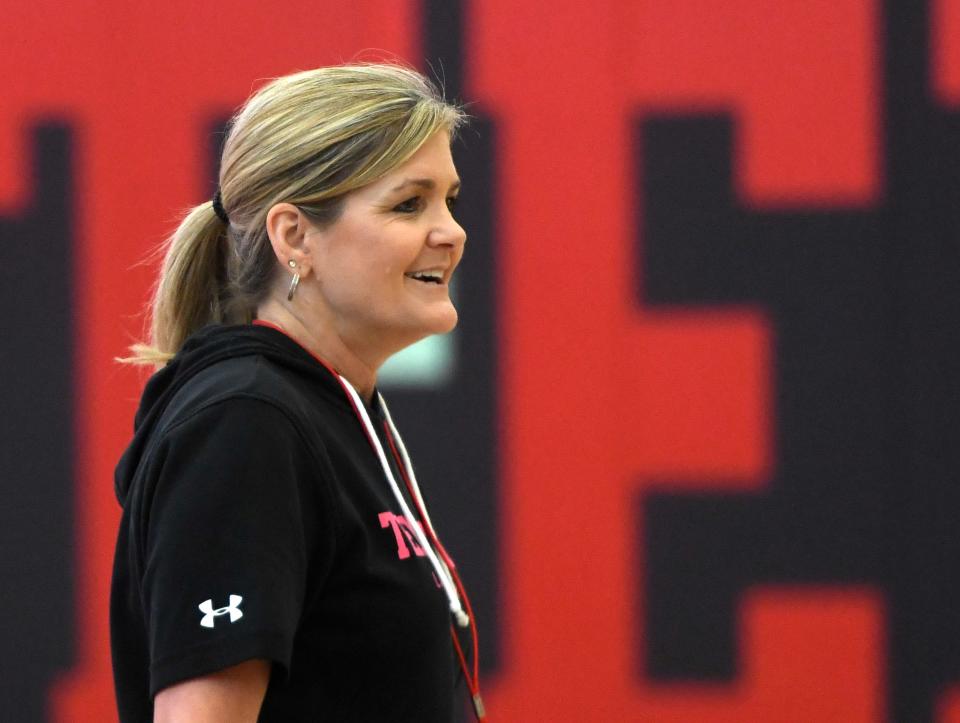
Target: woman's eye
x,y
411,205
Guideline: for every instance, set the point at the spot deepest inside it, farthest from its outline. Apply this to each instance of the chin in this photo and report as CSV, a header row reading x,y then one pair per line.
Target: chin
x,y
448,323
408,329
437,324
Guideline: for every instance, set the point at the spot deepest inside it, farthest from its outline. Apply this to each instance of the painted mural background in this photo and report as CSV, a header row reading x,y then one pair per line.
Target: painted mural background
x,y
695,444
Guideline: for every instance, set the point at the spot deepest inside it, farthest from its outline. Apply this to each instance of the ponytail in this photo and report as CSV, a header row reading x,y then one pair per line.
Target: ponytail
x,y
191,291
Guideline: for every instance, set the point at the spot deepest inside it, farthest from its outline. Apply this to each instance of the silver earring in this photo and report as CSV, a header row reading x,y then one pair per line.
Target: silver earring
x,y
292,264
293,286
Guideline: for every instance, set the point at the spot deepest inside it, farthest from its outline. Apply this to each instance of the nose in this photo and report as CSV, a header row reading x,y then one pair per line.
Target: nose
x,y
447,232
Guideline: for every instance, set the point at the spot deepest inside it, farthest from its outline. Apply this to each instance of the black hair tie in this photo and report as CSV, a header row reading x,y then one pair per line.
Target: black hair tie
x,y
218,207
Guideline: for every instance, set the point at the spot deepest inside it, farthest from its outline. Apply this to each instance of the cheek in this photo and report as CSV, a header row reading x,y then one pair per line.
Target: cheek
x,y
379,280
390,271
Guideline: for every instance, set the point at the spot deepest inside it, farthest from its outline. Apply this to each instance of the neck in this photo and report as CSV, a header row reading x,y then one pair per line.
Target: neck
x,y
322,340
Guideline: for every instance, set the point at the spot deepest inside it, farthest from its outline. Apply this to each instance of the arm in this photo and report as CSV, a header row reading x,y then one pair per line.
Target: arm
x,y
232,695
234,515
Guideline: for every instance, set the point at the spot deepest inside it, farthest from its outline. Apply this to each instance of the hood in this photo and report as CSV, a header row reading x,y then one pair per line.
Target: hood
x,y
206,347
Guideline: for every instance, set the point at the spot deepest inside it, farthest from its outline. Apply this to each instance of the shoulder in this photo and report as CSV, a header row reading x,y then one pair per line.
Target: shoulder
x,y
244,408
241,378
242,411
239,455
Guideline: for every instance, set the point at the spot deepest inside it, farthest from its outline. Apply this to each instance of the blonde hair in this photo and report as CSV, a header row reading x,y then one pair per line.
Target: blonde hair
x,y
308,139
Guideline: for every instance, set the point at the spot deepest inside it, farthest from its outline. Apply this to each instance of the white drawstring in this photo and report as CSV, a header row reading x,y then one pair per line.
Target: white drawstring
x,y
463,620
439,567
407,464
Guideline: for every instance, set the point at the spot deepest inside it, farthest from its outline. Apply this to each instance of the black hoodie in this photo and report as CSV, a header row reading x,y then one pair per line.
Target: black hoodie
x,y
257,523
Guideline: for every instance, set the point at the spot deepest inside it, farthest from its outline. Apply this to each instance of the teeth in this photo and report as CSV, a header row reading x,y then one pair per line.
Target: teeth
x,y
423,275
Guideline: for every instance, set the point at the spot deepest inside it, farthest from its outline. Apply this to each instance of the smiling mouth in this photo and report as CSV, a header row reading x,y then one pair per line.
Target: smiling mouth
x,y
427,277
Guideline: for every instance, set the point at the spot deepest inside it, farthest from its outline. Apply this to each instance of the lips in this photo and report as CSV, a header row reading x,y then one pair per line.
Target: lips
x,y
427,276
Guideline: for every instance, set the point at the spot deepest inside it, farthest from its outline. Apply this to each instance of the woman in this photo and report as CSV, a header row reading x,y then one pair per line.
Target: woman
x,y
275,557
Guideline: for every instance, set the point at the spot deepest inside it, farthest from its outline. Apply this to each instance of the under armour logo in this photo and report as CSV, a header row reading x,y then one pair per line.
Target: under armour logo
x,y
233,609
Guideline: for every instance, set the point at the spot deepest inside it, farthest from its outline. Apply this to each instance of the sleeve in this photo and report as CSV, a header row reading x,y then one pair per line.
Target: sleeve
x,y
235,522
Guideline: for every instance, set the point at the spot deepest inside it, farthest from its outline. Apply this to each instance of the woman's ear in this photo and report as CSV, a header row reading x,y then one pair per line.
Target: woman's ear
x,y
287,227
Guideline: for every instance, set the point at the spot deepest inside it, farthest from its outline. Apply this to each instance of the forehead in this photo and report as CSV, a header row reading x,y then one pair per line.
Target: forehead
x,y
432,162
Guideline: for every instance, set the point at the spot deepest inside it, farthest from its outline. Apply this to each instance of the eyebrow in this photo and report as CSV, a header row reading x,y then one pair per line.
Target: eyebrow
x,y
427,183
